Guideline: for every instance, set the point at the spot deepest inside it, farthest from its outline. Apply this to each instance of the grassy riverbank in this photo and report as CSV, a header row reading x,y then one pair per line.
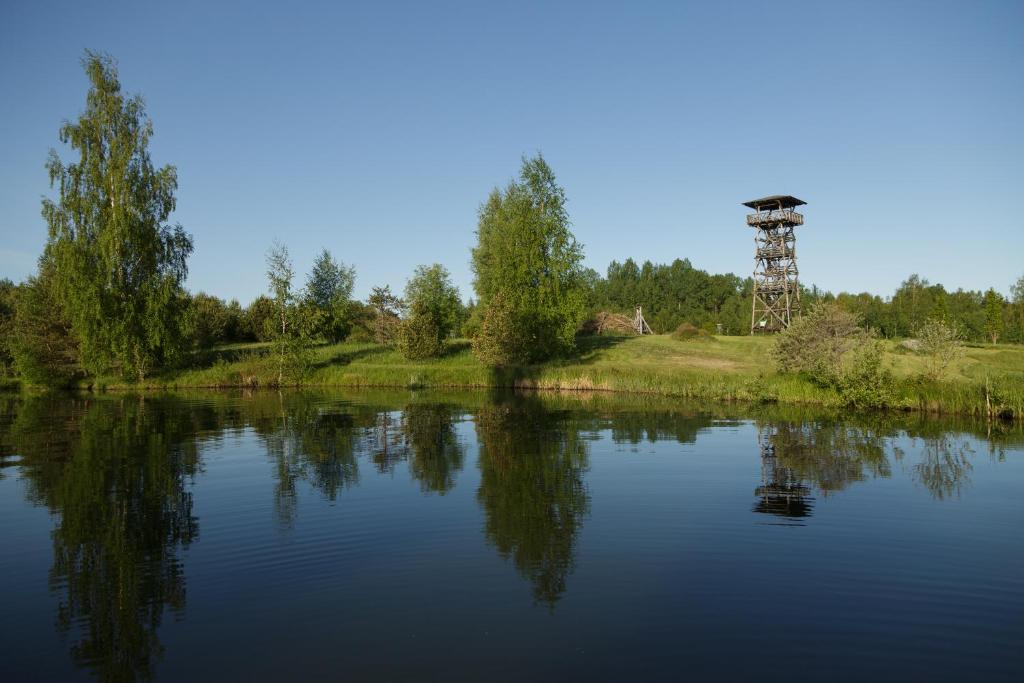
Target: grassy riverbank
x,y
718,368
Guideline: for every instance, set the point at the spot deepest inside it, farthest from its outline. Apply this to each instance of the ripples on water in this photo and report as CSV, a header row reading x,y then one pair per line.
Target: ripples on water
x,y
468,537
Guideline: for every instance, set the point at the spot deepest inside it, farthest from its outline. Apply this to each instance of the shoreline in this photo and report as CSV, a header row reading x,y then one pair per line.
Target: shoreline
x,y
723,369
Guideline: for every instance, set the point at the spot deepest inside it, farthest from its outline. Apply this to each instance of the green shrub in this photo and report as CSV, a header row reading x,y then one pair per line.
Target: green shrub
x,y
864,382
940,343
421,335
501,340
814,344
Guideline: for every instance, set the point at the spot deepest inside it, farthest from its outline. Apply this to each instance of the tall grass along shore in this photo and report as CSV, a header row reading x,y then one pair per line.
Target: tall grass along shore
x,y
987,381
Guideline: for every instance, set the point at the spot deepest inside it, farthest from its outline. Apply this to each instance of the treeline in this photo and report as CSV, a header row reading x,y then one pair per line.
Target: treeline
x,y
979,316
677,293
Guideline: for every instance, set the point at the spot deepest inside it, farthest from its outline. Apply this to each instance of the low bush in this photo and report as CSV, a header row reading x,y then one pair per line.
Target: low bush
x,y
940,343
503,339
421,335
829,347
688,332
864,381
814,344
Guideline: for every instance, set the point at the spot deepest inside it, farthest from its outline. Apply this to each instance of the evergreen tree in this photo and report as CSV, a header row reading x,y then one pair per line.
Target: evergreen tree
x,y
118,265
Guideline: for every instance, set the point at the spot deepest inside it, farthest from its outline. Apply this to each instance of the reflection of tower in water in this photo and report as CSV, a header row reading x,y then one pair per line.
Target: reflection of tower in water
x,y
781,492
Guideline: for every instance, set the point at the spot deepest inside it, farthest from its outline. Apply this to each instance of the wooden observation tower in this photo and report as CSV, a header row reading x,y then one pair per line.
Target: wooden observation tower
x,y
776,279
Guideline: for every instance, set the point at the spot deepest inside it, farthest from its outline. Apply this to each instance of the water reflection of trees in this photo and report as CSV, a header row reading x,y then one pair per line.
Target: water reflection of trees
x,y
944,468
322,442
114,472
649,425
830,455
435,453
306,441
532,490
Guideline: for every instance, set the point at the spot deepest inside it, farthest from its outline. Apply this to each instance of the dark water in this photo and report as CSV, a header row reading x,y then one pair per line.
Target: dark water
x,y
468,537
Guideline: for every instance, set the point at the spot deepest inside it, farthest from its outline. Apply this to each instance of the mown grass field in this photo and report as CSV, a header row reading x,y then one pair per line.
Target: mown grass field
x,y
717,368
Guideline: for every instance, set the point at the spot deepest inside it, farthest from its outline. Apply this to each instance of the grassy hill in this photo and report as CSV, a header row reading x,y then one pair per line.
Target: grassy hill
x,y
711,368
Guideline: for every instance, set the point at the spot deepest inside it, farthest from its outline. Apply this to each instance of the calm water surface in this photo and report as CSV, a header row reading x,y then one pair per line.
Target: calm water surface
x,y
430,536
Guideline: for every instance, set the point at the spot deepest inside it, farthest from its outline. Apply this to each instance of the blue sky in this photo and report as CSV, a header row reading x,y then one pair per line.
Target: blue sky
x,y
376,129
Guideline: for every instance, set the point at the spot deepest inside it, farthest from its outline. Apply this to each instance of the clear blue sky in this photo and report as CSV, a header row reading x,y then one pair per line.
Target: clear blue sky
x,y
376,129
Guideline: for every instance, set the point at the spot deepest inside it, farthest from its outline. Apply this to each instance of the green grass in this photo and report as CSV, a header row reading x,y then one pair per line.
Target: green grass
x,y
715,368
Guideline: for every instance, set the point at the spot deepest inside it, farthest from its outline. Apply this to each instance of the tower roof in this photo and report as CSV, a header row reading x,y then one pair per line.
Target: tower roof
x,y
776,201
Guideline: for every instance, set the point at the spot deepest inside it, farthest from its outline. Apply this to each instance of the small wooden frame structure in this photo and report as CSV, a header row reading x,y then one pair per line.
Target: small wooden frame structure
x,y
640,325
776,278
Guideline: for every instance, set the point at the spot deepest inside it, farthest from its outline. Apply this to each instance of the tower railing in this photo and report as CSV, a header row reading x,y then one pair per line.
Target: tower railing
x,y
788,216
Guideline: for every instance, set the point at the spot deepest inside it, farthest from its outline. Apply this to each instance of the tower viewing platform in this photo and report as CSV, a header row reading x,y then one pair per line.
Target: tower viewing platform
x,y
785,216
777,209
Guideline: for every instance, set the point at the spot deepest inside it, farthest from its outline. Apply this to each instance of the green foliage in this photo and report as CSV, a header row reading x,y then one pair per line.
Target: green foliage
x,y
940,343
364,318
815,343
1017,310
42,347
258,320
420,336
386,311
210,321
864,381
829,347
294,322
295,348
431,289
8,293
434,312
527,257
118,266
675,293
503,339
471,320
993,315
329,290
